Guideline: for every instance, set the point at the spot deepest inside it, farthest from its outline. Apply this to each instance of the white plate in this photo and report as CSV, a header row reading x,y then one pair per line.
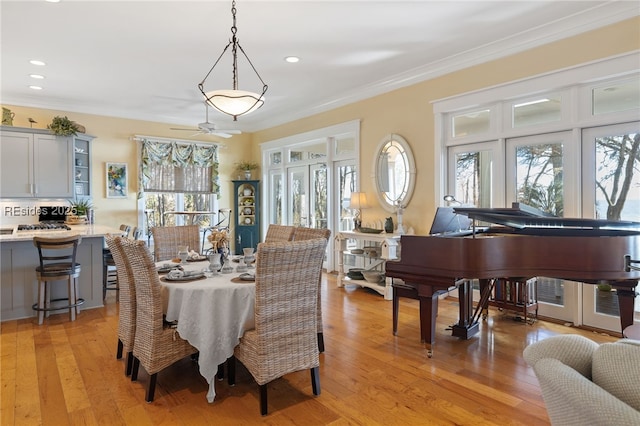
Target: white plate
x,y
191,277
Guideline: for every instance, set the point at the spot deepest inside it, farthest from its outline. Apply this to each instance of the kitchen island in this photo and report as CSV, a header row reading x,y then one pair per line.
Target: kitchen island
x,y
19,258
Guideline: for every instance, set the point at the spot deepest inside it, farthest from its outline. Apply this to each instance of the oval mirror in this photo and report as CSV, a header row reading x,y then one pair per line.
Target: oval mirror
x,y
394,172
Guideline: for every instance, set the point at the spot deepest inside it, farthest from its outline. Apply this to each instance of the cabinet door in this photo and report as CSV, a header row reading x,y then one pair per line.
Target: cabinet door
x,y
53,166
16,159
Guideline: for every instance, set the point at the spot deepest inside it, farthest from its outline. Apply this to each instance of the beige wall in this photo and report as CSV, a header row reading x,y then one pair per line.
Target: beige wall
x,y
409,113
113,144
406,111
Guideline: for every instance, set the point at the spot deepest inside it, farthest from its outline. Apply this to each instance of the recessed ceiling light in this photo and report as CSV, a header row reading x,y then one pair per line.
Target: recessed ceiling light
x,y
292,59
52,1
36,62
36,76
35,87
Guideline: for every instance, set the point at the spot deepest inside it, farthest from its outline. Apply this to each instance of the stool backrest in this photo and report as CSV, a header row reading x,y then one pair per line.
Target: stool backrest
x,y
46,247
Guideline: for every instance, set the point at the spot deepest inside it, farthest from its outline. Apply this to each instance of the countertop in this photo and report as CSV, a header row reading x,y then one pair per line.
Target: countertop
x,y
83,230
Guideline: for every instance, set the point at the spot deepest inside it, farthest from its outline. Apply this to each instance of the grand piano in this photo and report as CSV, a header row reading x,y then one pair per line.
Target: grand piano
x,y
516,242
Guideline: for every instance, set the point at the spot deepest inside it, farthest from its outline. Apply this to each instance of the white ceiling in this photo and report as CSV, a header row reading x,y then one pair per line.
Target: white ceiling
x,y
144,59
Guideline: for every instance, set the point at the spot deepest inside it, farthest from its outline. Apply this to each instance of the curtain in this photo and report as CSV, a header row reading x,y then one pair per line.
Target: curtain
x,y
178,167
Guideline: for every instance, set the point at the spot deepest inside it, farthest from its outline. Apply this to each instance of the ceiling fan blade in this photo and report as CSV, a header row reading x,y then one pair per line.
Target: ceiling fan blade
x,y
229,131
221,134
191,129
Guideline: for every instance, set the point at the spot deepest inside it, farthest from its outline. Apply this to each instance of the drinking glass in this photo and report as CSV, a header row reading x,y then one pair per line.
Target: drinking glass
x,y
183,254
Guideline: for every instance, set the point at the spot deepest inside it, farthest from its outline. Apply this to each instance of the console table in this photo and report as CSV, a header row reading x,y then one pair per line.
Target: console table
x,y
387,247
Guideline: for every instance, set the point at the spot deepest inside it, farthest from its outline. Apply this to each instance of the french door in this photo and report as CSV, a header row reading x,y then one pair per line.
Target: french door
x,y
611,182
542,171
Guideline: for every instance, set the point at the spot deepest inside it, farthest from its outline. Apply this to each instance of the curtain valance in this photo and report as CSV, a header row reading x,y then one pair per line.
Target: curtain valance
x,y
179,167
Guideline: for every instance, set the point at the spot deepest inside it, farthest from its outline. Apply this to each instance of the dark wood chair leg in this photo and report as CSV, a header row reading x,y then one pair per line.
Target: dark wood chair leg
x,y
120,348
220,373
263,399
134,371
129,366
320,342
231,370
151,389
315,380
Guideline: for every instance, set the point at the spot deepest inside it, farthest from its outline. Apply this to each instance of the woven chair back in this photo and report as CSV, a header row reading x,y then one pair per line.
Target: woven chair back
x,y
126,297
286,294
277,233
166,240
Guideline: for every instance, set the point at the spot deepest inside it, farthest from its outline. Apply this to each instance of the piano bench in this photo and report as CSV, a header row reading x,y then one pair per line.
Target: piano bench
x,y
519,294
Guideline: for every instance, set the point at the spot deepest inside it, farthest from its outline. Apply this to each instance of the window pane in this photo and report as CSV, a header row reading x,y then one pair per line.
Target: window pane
x,y
617,177
346,185
275,199
537,111
319,197
157,203
345,146
619,97
471,123
473,178
299,204
539,177
276,158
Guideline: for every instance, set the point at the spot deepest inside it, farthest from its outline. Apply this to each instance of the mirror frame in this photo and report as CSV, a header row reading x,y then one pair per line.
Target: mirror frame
x,y
410,167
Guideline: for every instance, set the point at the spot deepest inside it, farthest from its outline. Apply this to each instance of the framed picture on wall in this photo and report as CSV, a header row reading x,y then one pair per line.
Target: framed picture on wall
x,y
116,178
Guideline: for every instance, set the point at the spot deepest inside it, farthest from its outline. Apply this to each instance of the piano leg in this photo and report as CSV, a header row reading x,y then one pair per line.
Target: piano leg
x,y
467,326
626,299
428,313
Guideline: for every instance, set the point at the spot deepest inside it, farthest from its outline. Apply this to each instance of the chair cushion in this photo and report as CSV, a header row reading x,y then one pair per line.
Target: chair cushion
x,y
616,368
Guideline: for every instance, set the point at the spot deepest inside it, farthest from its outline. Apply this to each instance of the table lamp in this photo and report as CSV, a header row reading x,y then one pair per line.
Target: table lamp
x,y
357,203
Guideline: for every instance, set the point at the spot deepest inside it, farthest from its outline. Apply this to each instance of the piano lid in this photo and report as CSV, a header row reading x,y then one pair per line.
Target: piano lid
x,y
526,218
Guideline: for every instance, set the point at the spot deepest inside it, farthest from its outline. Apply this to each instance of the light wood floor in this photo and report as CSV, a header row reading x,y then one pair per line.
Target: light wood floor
x,y
64,373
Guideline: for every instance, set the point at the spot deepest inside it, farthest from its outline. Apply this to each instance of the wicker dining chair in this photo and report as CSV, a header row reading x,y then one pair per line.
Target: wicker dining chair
x,y
127,304
156,345
277,233
166,240
284,338
301,233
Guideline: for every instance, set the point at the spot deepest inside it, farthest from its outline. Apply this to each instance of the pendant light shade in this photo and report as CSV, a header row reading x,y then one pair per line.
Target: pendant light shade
x,y
233,101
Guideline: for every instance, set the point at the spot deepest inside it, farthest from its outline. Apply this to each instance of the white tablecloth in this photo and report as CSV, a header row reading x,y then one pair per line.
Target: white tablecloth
x,y
212,315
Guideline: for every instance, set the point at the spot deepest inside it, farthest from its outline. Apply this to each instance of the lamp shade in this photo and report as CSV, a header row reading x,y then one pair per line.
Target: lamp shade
x,y
234,102
358,200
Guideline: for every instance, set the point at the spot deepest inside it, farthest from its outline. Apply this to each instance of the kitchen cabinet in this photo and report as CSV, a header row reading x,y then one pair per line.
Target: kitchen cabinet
x,y
35,164
82,166
247,214
369,252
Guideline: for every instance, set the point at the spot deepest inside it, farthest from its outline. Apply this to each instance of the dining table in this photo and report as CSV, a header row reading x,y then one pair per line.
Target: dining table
x,y
211,312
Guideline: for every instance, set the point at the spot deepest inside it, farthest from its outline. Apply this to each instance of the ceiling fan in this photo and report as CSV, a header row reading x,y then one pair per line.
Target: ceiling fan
x,y
208,128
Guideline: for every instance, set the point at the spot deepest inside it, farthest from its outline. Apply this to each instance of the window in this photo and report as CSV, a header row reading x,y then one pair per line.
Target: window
x,y
564,143
178,177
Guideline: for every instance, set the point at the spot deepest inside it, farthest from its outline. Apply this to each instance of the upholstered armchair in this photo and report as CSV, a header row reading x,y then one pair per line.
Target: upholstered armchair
x,y
584,383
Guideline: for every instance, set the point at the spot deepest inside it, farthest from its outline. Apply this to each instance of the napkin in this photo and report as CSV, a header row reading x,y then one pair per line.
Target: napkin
x,y
174,274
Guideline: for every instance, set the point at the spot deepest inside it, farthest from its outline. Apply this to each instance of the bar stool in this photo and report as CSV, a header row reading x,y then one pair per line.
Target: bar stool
x,y
109,276
57,267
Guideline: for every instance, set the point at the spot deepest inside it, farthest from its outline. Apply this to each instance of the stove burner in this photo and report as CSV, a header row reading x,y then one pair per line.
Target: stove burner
x,y
44,226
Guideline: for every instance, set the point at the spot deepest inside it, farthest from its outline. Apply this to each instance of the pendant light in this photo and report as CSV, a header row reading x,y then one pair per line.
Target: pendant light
x,y
233,101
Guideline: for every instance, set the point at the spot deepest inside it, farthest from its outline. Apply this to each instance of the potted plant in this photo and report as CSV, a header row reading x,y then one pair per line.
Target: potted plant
x,y
62,126
246,167
79,210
